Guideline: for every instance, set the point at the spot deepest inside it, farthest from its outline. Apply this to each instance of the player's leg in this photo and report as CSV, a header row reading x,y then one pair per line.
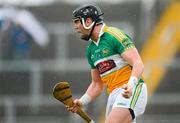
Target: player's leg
x,y
119,115
118,106
133,121
117,101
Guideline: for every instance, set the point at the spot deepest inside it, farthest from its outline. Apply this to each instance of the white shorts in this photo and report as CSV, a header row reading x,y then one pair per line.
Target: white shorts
x,y
137,102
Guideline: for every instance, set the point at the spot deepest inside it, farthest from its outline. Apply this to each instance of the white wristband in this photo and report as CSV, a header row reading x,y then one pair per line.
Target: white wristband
x,y
92,121
85,99
133,81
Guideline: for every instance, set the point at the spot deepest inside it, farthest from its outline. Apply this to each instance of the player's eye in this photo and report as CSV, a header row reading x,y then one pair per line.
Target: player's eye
x,y
76,21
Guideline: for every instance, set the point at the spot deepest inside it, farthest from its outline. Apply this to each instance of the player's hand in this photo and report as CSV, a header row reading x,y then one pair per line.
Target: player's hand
x,y
127,93
76,104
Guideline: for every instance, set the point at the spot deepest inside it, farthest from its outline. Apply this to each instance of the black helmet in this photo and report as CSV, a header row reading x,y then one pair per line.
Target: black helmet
x,y
86,11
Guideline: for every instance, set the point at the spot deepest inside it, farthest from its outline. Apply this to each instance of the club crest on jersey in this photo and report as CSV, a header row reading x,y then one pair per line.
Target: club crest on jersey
x,y
105,51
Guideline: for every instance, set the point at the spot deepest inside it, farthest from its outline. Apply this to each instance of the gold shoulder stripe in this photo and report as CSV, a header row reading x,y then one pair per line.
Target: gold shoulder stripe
x,y
116,33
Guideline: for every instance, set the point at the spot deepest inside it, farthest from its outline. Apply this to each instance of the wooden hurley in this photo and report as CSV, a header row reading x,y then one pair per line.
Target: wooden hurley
x,y
62,92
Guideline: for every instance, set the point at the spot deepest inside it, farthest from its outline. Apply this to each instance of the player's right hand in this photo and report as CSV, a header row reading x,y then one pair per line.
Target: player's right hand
x,y
127,91
76,104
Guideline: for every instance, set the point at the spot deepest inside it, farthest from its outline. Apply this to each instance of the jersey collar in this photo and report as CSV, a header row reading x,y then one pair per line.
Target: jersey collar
x,y
100,34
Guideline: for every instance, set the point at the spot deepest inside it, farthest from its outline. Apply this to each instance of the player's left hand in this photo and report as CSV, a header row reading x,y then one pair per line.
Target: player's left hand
x,y
127,93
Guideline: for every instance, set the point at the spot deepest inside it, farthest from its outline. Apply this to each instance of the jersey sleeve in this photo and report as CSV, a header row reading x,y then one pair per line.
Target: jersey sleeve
x,y
88,56
123,42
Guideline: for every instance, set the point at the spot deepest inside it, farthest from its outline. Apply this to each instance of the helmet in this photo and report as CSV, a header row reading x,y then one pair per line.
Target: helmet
x,y
86,11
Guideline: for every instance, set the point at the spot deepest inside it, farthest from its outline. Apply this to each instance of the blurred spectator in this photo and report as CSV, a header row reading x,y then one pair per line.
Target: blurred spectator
x,y
19,27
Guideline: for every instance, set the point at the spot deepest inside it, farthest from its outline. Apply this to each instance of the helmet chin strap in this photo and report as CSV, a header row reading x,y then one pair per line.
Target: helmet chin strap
x,y
88,27
84,25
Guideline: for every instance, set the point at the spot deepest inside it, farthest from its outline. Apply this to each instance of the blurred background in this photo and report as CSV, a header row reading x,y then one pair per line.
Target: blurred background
x,y
38,48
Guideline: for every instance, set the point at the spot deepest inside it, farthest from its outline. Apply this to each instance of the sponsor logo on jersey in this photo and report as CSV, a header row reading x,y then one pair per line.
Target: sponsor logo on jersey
x,y
106,66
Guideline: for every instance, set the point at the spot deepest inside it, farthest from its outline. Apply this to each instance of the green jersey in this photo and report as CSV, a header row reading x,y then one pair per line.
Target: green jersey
x,y
105,55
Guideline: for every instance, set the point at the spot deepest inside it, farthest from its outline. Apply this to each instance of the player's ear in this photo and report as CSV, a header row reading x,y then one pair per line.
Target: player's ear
x,y
88,21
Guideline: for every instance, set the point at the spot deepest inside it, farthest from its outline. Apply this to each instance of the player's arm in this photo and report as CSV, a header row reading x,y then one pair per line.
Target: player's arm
x,y
96,86
132,56
94,90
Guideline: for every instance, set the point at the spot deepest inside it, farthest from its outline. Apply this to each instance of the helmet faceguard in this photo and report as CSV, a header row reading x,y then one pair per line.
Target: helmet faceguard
x,y
88,11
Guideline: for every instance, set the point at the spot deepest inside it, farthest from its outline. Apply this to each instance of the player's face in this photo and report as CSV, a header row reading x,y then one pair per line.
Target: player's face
x,y
80,29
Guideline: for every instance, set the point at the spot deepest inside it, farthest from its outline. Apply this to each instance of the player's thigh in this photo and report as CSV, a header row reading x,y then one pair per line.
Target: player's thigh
x,y
119,115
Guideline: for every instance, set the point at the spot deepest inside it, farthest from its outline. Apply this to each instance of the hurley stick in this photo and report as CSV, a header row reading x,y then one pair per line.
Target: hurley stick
x,y
62,92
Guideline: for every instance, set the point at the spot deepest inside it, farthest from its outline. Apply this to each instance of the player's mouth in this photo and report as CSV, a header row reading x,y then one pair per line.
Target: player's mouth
x,y
79,32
